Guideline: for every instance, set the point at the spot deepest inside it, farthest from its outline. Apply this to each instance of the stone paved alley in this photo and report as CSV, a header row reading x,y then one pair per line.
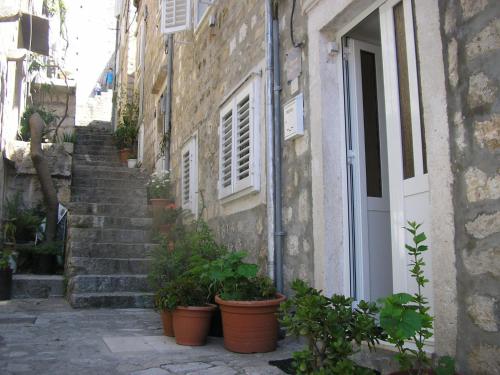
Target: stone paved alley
x,y
48,337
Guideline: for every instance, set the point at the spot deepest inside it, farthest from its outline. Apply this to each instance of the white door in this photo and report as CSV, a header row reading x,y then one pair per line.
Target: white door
x,y
370,248
408,179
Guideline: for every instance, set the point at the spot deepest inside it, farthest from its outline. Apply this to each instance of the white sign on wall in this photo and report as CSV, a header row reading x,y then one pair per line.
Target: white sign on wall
x,y
293,117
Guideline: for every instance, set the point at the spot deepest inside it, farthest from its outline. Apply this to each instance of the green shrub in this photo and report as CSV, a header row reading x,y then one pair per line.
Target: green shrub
x,y
334,330
236,280
24,128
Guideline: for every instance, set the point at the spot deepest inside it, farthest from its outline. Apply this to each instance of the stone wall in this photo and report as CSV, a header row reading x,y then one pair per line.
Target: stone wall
x,y
21,176
471,36
209,63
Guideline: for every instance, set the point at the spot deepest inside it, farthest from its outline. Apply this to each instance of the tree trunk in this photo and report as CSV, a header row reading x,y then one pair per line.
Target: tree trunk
x,y
37,126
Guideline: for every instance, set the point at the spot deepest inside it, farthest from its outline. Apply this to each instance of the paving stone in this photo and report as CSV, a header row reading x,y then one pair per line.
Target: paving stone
x,y
187,367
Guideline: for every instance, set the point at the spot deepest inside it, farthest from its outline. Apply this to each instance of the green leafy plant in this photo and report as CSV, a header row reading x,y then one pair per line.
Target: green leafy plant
x,y
21,223
126,133
159,185
69,137
333,328
5,256
405,317
236,280
180,254
187,290
24,128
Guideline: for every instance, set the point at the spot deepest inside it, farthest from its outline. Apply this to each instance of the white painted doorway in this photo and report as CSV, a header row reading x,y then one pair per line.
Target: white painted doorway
x,y
386,169
370,240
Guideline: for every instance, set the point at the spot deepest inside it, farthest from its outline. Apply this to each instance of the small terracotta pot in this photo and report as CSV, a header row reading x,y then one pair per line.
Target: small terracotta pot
x,y
250,326
159,202
168,323
164,228
124,154
192,323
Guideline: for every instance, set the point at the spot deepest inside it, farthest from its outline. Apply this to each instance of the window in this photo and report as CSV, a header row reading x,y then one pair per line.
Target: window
x,y
189,176
239,140
175,15
201,7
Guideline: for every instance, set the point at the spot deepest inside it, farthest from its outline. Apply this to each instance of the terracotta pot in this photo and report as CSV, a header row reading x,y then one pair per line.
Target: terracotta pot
x,y
191,324
124,154
250,326
5,283
167,322
164,228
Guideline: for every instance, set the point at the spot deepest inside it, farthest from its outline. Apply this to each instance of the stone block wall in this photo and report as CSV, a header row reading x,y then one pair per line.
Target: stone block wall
x,y
471,36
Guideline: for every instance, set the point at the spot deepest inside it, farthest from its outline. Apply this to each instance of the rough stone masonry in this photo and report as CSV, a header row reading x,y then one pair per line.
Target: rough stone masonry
x,y
471,36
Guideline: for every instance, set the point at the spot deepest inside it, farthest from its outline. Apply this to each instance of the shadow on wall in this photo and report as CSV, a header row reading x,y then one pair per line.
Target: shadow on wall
x,y
101,81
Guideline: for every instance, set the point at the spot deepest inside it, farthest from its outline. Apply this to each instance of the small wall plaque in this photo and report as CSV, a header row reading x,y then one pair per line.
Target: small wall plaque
x,y
293,118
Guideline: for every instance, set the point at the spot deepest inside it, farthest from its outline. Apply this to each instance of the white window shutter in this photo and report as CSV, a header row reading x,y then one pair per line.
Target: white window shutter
x,y
175,15
244,143
189,176
226,167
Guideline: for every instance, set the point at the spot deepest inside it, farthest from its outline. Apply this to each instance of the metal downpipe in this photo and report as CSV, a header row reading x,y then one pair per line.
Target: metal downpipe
x,y
168,100
278,202
270,138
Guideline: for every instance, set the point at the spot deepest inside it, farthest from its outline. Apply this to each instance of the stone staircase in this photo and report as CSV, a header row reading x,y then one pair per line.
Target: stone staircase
x,y
109,229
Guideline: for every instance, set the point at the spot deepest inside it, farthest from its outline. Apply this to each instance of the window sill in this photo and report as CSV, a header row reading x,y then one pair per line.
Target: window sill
x,y
244,193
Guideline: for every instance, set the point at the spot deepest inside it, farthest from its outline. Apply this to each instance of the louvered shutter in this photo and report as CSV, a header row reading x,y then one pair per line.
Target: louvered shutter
x,y
226,151
243,138
175,15
189,176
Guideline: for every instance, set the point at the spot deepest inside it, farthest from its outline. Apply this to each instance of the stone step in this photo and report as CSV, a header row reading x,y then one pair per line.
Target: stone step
x,y
108,283
122,183
110,249
105,172
94,149
37,286
122,191
109,209
90,158
109,235
115,300
91,198
107,266
93,221
82,162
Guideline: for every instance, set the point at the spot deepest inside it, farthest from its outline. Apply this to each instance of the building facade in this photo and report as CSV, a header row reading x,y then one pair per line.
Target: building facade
x,y
387,112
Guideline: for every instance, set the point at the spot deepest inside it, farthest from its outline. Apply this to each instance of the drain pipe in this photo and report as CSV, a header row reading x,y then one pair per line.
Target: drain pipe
x,y
168,100
270,139
278,203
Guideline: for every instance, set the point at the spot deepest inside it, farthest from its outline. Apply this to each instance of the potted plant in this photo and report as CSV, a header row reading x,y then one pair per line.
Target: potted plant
x,y
333,330
158,188
164,220
405,317
132,159
248,304
126,133
183,249
5,274
187,297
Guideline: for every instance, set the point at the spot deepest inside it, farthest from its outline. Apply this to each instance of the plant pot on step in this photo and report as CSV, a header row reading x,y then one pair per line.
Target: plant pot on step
x,y
124,154
192,323
250,326
132,163
164,228
168,323
5,283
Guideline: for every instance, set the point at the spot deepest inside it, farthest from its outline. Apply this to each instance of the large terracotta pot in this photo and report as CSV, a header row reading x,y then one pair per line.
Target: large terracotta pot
x,y
124,154
250,326
5,283
191,324
167,322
